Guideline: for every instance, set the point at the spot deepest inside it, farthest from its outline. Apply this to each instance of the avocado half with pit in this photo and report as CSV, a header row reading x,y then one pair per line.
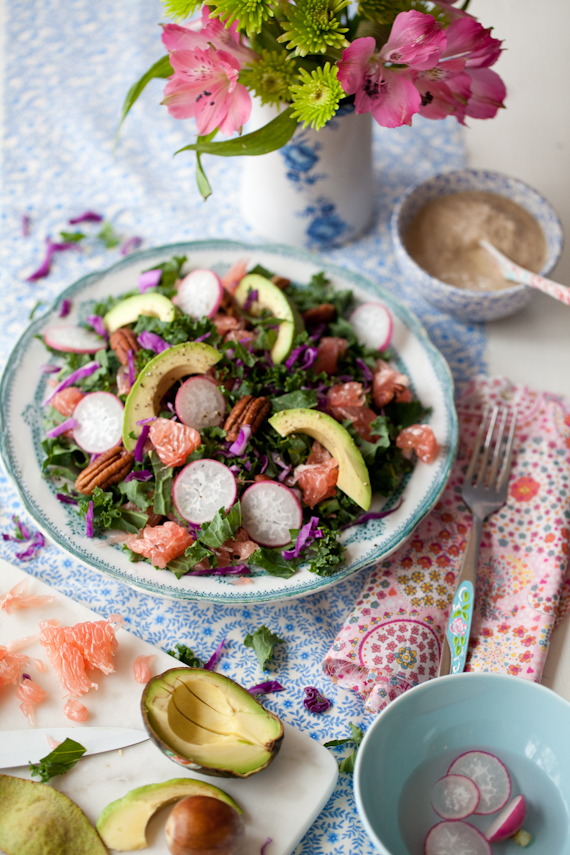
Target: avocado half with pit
x,y
127,311
273,300
209,723
122,824
353,475
158,375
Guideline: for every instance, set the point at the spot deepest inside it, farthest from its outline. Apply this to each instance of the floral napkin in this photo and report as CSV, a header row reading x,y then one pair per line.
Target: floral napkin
x,y
392,638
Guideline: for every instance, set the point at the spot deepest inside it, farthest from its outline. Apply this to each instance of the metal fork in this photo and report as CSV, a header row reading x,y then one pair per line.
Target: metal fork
x,y
484,491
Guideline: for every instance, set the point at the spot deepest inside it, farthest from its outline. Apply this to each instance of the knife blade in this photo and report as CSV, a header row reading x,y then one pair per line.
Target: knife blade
x,y
20,747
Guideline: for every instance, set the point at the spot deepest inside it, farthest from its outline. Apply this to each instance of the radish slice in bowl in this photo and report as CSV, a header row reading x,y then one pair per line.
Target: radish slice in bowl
x,y
455,838
199,403
99,418
203,488
490,775
269,510
455,797
373,325
508,822
200,294
70,339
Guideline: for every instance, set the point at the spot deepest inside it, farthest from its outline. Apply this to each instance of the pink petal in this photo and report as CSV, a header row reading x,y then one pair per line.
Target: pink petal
x,y
354,64
398,101
416,40
487,93
468,38
239,111
441,98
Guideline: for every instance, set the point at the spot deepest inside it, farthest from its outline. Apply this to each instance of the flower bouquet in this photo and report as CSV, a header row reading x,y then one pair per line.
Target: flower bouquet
x,y
310,58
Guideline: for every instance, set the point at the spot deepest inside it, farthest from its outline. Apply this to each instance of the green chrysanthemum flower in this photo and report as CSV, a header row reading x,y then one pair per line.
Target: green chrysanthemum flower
x,y
249,14
316,98
313,26
271,76
181,8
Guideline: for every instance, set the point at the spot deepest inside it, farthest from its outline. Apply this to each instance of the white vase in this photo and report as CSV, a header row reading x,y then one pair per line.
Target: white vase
x,y
317,190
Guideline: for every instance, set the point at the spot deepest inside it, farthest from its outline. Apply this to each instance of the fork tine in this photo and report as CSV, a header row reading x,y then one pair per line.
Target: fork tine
x,y
487,446
476,447
498,449
506,470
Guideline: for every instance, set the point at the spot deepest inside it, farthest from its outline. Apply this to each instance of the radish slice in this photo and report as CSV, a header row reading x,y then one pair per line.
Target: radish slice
x,y
508,822
455,797
73,339
99,418
200,294
269,510
199,403
489,774
373,325
455,838
202,488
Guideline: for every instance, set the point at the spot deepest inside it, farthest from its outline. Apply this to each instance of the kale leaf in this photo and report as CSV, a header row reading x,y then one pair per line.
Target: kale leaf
x,y
185,655
262,640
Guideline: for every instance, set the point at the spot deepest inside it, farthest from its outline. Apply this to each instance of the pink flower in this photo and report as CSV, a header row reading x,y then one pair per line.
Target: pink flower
x,y
415,39
468,39
388,94
205,86
204,34
487,93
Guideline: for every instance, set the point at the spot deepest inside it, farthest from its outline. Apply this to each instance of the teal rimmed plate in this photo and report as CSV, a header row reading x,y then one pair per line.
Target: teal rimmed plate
x,y
23,387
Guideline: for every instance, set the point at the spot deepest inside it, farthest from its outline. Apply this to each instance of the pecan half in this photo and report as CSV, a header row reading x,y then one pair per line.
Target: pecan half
x,y
123,340
280,281
107,469
321,314
248,411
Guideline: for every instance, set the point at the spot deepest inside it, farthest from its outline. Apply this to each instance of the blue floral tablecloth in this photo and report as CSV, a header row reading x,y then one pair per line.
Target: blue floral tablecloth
x,y
68,66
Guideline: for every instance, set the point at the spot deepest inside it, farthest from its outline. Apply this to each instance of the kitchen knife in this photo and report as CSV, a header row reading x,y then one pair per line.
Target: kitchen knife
x,y
20,747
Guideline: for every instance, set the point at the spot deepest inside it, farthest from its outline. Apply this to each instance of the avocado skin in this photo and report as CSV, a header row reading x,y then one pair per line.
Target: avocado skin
x,y
170,677
36,819
271,297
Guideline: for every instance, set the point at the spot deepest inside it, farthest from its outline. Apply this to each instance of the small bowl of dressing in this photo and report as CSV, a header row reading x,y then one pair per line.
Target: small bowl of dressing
x,y
436,229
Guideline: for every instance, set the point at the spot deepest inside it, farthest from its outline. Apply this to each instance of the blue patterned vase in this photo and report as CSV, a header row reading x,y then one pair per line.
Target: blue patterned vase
x,y
316,191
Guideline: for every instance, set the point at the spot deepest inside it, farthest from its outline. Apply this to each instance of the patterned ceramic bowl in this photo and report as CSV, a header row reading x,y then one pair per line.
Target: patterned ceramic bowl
x,y
464,304
417,737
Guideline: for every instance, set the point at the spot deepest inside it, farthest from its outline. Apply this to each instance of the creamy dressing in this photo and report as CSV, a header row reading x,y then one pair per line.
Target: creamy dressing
x,y
444,236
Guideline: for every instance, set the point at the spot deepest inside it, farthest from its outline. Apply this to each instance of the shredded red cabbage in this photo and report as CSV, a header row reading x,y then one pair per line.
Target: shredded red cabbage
x,y
87,217
266,688
203,337
314,701
79,374
36,543
318,332
291,360
264,464
252,296
139,447
131,244
215,657
379,515
146,421
265,845
367,374
152,341
89,521
25,225
238,447
131,361
309,358
307,535
22,531
230,570
149,279
26,677
45,267
139,475
48,368
68,424
65,308
96,321
66,500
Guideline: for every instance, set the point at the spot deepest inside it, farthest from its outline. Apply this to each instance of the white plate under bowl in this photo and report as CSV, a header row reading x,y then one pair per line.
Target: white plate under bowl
x,y
23,387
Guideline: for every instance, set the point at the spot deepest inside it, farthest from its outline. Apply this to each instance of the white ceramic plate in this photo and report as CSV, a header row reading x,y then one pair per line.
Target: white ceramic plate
x,y
23,388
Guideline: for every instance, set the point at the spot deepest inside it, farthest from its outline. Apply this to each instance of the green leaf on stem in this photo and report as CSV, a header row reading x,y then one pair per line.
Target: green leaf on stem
x,y
201,179
270,137
59,761
162,68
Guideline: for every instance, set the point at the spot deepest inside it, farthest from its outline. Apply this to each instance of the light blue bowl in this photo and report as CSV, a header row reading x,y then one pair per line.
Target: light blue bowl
x,y
415,739
462,303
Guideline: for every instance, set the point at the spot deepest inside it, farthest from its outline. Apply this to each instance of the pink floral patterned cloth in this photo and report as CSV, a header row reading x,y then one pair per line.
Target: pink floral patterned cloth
x,y
392,638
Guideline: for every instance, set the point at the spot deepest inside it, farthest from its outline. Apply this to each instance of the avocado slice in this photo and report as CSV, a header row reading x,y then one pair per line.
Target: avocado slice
x,y
209,723
122,824
353,476
128,310
158,375
35,819
270,297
